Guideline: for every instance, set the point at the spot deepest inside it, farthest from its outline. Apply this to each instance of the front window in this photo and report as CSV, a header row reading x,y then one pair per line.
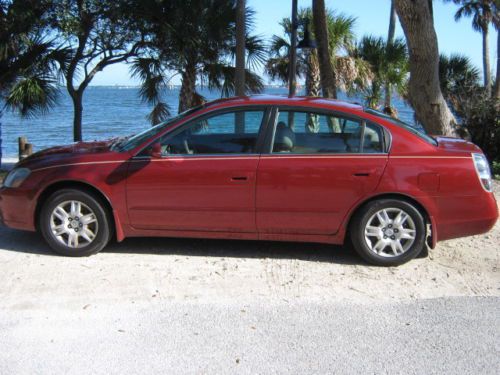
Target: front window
x,y
300,132
134,141
227,133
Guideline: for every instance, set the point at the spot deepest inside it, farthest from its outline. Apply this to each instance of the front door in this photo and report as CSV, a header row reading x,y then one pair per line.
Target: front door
x,y
320,165
205,179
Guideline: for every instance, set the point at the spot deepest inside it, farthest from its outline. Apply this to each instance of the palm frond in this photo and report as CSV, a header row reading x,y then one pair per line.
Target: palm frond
x,y
160,112
32,94
256,51
222,77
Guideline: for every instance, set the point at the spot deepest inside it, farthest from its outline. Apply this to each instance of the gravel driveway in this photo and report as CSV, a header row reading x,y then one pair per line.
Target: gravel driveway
x,y
204,306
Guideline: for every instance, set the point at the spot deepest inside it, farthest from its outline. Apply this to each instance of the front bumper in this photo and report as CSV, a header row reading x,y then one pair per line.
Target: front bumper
x,y
16,209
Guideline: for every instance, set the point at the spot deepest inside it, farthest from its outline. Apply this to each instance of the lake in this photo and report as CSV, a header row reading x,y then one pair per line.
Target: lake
x,y
109,111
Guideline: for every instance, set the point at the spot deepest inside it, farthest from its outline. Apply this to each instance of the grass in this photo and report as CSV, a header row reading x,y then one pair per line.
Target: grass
x,y
2,175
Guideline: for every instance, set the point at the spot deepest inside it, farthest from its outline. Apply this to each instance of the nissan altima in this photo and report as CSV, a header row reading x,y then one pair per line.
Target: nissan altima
x,y
259,168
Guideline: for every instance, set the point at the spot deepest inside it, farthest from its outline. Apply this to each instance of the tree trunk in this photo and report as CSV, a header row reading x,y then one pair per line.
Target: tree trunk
x,y
240,48
425,93
392,23
188,87
327,72
292,66
313,81
1,138
486,60
497,83
390,39
77,98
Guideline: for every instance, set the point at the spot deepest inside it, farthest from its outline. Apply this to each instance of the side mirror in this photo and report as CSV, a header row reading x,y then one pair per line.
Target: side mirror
x,y
156,151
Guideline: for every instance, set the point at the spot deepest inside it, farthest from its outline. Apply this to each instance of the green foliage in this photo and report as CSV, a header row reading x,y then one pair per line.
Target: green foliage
x,y
32,95
191,36
27,59
456,73
389,66
341,42
480,116
478,113
482,12
495,170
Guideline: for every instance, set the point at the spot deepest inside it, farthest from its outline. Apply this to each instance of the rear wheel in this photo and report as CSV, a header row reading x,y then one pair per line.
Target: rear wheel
x,y
75,223
388,232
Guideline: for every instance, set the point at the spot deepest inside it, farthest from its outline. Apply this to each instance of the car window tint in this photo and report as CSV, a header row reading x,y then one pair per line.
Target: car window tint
x,y
228,133
310,133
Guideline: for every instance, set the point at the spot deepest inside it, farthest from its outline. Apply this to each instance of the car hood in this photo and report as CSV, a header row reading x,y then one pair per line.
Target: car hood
x,y
456,144
73,153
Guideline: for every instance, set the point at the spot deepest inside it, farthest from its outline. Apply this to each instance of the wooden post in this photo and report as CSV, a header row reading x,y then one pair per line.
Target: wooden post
x,y
22,145
28,149
25,148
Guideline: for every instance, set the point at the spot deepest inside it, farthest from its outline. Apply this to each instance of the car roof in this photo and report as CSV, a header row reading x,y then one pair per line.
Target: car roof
x,y
302,101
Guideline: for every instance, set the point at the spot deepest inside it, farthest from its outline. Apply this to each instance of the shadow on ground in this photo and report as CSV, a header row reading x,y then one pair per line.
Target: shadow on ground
x,y
33,243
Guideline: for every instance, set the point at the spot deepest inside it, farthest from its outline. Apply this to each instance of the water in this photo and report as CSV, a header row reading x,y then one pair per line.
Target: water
x,y
108,112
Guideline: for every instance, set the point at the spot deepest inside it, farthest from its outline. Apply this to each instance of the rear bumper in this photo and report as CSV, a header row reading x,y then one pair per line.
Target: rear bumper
x,y
466,216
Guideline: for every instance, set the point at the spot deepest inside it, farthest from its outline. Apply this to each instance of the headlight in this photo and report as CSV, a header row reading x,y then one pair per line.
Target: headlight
x,y
483,171
16,177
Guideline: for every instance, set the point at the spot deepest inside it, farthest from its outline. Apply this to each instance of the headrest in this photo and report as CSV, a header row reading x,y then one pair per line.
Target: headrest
x,y
284,139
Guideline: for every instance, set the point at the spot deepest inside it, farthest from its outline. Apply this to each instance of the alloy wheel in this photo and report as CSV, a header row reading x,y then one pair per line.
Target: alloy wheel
x,y
74,224
390,232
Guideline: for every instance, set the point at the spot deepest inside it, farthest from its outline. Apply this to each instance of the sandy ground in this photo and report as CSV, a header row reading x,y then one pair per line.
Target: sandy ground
x,y
200,307
145,270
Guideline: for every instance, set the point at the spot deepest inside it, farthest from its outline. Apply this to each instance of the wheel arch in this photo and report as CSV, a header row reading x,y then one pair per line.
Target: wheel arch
x,y
82,186
429,219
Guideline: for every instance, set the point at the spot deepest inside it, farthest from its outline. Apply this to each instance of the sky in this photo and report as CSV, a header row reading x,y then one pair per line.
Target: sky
x,y
372,17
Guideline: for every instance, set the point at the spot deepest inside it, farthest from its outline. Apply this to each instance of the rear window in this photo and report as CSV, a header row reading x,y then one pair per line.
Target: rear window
x,y
420,132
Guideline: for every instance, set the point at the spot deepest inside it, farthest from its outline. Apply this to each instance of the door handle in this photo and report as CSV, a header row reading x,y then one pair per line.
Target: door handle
x,y
239,178
361,174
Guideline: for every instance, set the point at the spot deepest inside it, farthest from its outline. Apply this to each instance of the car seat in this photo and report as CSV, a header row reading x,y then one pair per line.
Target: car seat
x,y
284,140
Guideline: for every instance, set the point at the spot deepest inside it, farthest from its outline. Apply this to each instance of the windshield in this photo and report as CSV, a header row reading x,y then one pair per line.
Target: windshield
x,y
129,143
413,129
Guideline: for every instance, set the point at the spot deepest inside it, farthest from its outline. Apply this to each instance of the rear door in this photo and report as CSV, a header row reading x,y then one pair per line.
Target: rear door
x,y
319,165
205,179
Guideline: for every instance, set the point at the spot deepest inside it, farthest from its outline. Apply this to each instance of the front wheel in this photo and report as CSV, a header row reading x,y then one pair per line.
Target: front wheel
x,y
75,223
388,232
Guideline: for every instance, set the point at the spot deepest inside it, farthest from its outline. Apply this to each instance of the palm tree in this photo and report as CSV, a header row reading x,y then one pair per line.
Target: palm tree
x,y
483,13
277,65
196,40
456,73
27,60
389,66
349,69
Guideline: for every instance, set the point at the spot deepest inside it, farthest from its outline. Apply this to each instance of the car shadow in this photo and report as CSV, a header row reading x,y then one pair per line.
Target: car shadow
x,y
33,243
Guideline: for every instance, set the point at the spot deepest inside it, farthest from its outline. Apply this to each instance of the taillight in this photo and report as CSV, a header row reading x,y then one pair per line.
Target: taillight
x,y
483,171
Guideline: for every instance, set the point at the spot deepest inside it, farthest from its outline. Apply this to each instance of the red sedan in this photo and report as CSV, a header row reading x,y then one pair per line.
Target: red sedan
x,y
260,168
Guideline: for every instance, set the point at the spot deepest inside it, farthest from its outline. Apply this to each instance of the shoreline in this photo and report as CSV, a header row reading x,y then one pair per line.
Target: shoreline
x,y
8,163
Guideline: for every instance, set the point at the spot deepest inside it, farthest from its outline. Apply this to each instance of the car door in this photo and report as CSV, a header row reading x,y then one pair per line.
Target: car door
x,y
204,179
319,165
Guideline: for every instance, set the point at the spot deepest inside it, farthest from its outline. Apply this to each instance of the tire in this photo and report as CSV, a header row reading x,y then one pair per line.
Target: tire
x,y
71,213
381,232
